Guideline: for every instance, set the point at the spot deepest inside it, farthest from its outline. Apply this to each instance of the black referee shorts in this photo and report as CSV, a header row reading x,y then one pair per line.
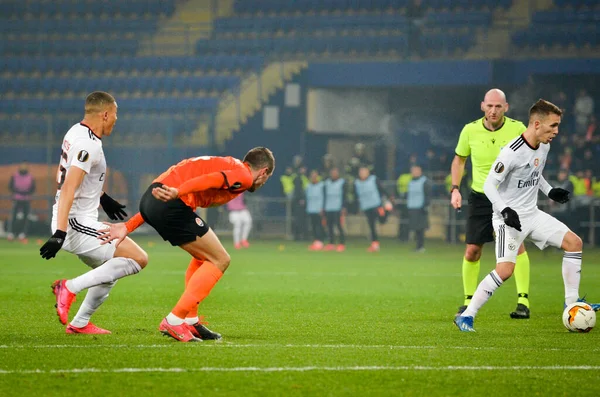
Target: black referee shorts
x,y
174,220
479,220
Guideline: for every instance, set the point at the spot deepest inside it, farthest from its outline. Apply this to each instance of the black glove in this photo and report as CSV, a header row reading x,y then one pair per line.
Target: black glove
x,y
113,208
53,244
559,195
511,218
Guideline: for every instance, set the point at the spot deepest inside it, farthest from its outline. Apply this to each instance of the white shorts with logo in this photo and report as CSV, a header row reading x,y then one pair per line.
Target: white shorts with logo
x,y
540,228
82,241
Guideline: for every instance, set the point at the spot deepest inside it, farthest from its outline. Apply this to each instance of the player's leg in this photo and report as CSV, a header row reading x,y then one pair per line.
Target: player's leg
x,y
202,281
550,231
12,226
25,226
234,218
246,227
507,242
420,240
479,230
315,224
129,258
342,235
372,216
330,219
522,282
194,324
571,265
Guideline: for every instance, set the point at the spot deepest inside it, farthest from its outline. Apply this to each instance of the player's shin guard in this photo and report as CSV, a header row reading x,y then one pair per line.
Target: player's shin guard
x,y
93,299
571,271
522,278
470,273
484,291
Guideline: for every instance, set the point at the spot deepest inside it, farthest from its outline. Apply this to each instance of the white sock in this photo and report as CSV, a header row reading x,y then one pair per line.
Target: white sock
x,y
110,271
484,291
246,230
192,320
571,271
174,320
93,299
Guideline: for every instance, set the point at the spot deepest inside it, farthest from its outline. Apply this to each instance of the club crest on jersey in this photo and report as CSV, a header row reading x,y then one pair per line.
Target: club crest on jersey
x,y
499,168
83,156
536,162
199,222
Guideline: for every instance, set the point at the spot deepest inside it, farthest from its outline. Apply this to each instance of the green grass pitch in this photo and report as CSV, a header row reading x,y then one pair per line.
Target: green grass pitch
x,y
299,323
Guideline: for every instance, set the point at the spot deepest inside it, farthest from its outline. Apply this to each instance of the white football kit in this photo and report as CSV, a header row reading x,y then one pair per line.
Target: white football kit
x,y
514,181
82,149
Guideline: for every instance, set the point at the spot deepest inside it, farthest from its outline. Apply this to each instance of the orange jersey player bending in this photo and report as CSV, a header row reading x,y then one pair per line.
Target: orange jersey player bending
x,y
168,206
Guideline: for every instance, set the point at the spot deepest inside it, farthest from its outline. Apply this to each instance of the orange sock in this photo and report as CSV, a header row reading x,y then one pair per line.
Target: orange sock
x,y
199,286
194,265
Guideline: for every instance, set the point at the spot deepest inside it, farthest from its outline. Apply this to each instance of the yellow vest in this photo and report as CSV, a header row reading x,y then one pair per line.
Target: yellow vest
x,y
402,183
287,181
578,186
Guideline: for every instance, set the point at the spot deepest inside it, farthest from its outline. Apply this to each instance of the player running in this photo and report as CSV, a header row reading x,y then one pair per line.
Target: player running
x,y
81,175
512,187
482,140
168,206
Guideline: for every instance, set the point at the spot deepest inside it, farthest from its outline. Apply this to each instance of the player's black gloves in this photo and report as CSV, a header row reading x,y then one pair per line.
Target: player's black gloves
x,y
559,195
53,244
113,208
511,218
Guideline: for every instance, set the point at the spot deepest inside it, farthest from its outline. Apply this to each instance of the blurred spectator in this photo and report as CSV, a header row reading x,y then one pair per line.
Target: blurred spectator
x,y
521,99
297,162
402,189
590,133
327,166
287,182
563,212
560,99
22,186
584,108
566,158
359,159
240,218
335,209
315,200
418,197
299,204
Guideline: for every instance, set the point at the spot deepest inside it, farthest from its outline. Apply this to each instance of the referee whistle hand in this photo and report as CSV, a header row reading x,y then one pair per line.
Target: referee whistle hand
x,y
511,218
165,193
456,199
112,232
53,245
559,195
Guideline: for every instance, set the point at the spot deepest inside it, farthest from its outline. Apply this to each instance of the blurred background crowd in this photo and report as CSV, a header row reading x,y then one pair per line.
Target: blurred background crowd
x,y
384,84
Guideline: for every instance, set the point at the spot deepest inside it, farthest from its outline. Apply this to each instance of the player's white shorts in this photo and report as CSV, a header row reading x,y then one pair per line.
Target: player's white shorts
x,y
241,216
540,228
82,241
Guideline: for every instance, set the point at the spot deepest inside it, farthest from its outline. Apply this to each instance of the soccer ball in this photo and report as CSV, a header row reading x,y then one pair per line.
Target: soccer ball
x,y
579,317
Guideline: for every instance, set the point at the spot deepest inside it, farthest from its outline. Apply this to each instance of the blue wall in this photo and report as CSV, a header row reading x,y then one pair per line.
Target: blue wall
x,y
441,73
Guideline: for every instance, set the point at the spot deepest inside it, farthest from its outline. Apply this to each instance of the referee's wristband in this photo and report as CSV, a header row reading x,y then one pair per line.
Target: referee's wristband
x,y
453,188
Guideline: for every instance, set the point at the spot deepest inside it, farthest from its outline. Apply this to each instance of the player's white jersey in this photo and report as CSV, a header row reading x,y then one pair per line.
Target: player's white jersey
x,y
517,176
82,149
